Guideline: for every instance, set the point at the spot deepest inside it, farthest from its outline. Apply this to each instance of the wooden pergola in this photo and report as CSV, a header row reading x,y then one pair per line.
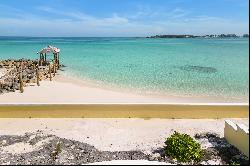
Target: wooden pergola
x,y
43,55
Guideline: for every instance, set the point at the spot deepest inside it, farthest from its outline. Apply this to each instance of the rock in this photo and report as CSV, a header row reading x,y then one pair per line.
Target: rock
x,y
3,142
10,81
71,152
218,151
206,135
61,65
213,162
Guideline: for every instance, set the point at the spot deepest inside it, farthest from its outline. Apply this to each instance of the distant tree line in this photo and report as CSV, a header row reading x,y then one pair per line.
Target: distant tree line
x,y
204,36
246,35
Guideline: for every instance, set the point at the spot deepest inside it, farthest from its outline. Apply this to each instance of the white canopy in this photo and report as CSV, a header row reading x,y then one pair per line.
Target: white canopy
x,y
49,49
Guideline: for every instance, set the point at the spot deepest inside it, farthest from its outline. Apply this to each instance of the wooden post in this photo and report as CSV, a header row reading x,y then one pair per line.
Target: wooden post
x,y
20,78
54,68
58,60
21,82
37,77
42,59
50,76
39,62
54,56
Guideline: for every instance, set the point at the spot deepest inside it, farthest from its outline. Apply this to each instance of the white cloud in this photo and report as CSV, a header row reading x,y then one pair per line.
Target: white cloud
x,y
75,23
45,8
177,13
157,14
80,16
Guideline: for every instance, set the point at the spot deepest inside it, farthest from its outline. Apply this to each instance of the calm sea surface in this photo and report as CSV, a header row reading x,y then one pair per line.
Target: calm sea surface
x,y
205,67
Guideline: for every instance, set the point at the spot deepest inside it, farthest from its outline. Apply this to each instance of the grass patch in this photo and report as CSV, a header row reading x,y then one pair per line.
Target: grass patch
x,y
56,150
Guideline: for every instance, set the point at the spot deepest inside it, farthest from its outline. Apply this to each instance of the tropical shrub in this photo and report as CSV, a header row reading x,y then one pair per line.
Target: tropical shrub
x,y
183,148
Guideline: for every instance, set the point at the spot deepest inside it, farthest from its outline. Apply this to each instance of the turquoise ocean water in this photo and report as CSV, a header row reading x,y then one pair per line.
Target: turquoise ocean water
x,y
203,67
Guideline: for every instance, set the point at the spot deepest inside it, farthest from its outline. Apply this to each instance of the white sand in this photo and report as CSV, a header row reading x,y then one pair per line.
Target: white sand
x,y
115,134
21,147
65,90
60,92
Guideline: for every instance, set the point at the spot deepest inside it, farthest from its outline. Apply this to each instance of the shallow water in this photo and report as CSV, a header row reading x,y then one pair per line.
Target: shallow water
x,y
184,67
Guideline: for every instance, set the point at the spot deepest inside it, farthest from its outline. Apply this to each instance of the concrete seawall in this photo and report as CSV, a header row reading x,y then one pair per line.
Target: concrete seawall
x,y
237,135
146,111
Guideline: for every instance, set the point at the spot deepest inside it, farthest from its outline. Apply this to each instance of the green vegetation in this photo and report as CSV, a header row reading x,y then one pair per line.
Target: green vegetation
x,y
183,148
56,151
233,163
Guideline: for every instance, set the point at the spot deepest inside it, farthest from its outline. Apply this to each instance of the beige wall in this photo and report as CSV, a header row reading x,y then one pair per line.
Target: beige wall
x,y
237,135
146,111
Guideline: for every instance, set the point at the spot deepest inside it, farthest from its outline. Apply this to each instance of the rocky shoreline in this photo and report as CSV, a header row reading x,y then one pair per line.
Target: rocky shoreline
x,y
25,70
40,148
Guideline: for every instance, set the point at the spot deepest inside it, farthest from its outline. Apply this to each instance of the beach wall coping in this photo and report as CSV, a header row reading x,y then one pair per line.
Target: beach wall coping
x,y
237,135
145,111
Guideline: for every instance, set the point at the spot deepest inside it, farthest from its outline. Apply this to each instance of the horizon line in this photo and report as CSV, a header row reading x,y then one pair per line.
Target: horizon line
x,y
118,36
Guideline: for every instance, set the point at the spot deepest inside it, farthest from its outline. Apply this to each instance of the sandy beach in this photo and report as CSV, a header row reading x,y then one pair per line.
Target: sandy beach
x,y
75,91
54,99
124,82
31,138
67,92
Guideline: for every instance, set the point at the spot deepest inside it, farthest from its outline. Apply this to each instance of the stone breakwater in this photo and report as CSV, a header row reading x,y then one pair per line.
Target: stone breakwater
x,y
12,71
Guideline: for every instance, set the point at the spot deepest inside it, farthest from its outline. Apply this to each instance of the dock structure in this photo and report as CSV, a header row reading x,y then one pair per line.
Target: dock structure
x,y
43,60
17,74
43,55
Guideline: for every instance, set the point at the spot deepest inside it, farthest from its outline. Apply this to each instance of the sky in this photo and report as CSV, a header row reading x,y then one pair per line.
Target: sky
x,y
122,18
